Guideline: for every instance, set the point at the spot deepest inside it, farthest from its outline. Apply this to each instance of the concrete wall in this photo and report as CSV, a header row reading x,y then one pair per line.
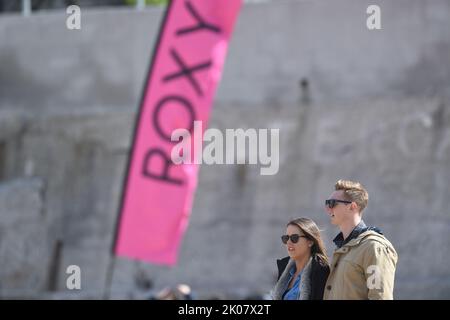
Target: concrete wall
x,y
374,106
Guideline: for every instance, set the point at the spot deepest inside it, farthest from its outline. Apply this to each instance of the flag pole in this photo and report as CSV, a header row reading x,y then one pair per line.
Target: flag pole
x,y
112,260
109,278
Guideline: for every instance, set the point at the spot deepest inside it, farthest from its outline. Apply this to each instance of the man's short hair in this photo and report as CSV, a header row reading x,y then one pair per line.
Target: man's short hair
x,y
353,191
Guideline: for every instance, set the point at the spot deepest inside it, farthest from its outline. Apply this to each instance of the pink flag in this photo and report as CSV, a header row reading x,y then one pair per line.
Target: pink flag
x,y
183,77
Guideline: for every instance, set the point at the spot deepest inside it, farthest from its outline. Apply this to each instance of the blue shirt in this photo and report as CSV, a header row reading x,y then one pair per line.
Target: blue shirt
x,y
292,293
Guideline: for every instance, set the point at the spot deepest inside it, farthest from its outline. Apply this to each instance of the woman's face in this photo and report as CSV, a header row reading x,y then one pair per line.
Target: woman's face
x,y
303,245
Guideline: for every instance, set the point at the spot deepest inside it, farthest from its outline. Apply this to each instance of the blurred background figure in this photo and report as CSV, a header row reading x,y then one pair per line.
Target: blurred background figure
x,y
179,292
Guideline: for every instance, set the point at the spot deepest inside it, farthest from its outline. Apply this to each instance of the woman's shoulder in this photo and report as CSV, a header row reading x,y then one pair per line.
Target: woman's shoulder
x,y
284,260
281,264
320,264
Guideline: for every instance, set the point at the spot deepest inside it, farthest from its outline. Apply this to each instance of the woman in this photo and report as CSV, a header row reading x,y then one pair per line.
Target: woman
x,y
303,274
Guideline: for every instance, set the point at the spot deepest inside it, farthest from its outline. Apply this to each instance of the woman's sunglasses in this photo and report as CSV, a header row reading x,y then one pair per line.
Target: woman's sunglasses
x,y
331,203
294,238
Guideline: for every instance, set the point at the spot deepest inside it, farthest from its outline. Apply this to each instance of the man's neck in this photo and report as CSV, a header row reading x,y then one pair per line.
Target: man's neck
x,y
348,226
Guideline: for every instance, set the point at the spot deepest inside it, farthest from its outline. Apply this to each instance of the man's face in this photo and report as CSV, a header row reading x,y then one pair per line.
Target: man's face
x,y
341,211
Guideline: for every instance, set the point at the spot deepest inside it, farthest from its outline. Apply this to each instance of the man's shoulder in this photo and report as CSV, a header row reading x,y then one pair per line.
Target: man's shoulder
x,y
373,240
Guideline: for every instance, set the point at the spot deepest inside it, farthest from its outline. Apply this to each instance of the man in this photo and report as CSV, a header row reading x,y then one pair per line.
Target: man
x,y
364,261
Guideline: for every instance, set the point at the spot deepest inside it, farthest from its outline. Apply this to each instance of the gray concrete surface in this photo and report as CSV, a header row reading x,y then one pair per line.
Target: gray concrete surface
x,y
376,108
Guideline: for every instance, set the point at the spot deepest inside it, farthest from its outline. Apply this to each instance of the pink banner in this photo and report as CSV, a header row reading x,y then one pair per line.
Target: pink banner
x,y
185,71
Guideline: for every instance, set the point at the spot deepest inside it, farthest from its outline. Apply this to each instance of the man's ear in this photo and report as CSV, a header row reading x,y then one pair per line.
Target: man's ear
x,y
354,206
